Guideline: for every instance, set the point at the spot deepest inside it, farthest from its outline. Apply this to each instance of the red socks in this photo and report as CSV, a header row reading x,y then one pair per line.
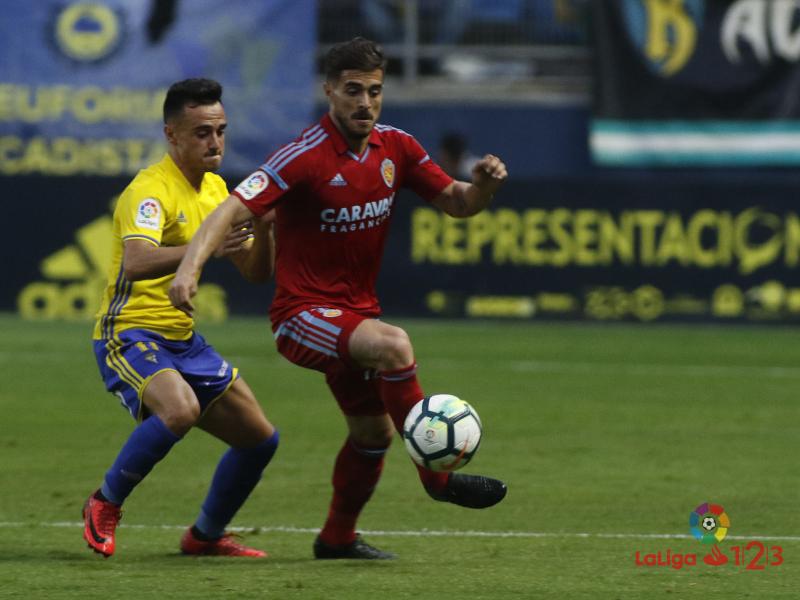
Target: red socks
x,y
400,391
357,469
355,475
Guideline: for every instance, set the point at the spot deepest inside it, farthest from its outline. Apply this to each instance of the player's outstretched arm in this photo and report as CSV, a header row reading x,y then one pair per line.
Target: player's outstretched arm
x,y
208,238
142,259
256,260
461,199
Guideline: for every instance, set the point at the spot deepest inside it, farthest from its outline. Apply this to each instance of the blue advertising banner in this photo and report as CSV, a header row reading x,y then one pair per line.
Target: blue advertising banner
x,y
82,83
696,82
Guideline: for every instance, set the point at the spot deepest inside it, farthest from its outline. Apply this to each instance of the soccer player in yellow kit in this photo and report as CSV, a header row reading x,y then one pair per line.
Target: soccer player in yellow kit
x,y
164,373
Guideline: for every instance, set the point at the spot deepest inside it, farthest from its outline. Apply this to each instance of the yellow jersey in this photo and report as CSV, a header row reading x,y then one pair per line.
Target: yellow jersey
x,y
161,207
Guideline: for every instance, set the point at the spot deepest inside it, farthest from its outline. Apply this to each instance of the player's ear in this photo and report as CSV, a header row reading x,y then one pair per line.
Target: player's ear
x,y
169,133
328,88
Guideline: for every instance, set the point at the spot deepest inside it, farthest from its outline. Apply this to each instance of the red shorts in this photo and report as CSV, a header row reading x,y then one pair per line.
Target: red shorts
x,y
318,338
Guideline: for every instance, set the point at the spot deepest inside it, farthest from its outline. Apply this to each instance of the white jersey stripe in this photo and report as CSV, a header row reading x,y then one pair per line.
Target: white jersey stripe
x,y
309,318
311,135
320,333
298,152
306,136
383,128
355,156
289,148
281,152
286,150
312,131
304,335
275,177
305,342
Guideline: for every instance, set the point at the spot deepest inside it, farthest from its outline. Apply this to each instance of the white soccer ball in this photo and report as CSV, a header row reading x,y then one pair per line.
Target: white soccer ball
x,y
442,432
709,523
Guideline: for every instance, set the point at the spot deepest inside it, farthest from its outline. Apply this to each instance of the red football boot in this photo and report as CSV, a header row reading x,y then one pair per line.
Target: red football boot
x,y
224,546
100,520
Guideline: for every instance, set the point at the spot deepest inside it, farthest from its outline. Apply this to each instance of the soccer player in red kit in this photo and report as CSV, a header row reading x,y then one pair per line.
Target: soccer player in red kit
x,y
333,191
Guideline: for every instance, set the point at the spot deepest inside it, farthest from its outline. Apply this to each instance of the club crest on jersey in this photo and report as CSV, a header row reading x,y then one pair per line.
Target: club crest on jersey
x,y
253,185
148,214
387,172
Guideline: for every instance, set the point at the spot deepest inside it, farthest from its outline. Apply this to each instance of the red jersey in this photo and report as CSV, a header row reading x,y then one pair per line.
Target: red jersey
x,y
333,212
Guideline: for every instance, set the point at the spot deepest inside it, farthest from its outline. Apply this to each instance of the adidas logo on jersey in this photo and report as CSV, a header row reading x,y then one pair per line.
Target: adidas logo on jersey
x,y
337,180
181,218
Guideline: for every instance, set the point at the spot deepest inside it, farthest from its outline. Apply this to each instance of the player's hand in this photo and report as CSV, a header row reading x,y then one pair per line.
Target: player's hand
x,y
489,173
233,242
181,292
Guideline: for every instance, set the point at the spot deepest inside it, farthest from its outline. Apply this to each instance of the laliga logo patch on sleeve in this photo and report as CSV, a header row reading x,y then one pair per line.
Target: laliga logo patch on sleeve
x,y
253,185
148,215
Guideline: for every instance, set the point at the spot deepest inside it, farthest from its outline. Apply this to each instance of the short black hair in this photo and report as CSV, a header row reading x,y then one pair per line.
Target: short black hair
x,y
193,92
358,54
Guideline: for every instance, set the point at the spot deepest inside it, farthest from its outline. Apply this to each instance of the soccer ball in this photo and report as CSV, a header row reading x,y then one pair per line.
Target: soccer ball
x,y
442,432
709,523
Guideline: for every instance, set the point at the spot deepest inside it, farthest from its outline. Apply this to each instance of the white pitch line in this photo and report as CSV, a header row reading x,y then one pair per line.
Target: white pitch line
x,y
427,532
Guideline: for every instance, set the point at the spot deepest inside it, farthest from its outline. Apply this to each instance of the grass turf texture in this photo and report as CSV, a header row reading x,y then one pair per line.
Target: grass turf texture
x,y
599,430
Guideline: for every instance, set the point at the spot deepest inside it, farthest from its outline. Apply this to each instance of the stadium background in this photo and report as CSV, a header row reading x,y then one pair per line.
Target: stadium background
x,y
608,436
573,235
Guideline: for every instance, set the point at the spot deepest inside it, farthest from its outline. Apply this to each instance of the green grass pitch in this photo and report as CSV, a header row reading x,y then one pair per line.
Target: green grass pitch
x,y
608,437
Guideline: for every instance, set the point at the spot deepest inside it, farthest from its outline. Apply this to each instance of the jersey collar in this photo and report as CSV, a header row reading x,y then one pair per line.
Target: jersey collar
x,y
339,143
170,165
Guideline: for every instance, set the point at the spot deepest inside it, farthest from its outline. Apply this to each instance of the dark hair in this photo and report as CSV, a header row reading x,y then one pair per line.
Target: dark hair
x,y
358,54
193,92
